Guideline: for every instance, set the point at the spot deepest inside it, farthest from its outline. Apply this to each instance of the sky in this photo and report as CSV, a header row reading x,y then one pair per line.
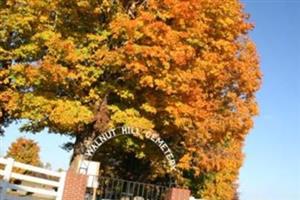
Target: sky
x,y
272,166
271,169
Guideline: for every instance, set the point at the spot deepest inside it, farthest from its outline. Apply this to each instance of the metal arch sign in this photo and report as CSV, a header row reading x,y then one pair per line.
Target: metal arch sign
x,y
124,130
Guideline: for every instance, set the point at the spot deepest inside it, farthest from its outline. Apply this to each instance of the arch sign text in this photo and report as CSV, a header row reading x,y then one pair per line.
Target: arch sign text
x,y
124,130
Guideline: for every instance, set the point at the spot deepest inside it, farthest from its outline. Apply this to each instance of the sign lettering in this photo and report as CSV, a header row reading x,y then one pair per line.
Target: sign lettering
x,y
124,130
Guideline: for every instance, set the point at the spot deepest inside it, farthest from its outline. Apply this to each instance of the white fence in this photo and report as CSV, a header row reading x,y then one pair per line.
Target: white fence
x,y
38,183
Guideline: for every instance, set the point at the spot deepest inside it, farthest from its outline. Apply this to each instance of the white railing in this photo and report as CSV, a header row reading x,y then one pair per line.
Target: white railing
x,y
44,187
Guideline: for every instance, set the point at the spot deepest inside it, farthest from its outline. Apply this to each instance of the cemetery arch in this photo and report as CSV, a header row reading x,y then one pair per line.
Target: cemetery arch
x,y
131,131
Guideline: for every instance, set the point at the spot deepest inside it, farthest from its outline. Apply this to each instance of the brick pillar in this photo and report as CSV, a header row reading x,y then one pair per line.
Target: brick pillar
x,y
178,194
75,186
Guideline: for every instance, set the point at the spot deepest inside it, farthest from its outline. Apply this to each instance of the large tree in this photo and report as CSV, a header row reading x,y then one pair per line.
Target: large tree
x,y
185,68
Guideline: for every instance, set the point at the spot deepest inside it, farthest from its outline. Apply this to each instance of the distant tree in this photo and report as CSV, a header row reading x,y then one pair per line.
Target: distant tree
x,y
60,170
47,165
25,151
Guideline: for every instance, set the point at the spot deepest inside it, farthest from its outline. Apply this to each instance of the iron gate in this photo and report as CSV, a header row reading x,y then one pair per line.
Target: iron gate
x,y
119,189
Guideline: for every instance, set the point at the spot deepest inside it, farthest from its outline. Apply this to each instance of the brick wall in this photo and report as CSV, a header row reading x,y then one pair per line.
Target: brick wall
x,y
178,194
75,186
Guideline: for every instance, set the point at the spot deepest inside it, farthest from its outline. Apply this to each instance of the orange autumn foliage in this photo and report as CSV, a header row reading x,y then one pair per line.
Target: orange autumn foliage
x,y
25,151
186,69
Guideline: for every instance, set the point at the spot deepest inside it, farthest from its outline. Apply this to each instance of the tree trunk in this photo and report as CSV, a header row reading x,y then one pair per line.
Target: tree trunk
x,y
85,138
81,144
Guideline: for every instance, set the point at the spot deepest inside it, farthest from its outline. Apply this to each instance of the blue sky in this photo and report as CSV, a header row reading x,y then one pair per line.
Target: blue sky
x,y
272,166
